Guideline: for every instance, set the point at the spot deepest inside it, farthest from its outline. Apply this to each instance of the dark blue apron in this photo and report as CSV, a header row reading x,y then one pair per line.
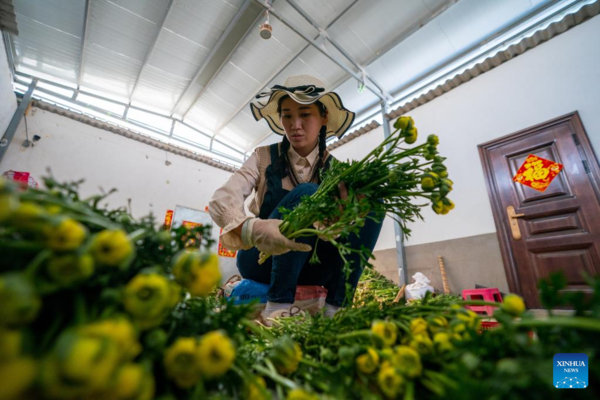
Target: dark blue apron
x,y
275,191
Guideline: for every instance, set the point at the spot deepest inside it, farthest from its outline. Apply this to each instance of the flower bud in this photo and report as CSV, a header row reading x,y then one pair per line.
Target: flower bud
x,y
197,272
70,268
19,302
513,304
215,354
148,298
67,235
181,364
112,248
433,140
285,355
8,205
404,122
16,376
411,135
386,330
367,363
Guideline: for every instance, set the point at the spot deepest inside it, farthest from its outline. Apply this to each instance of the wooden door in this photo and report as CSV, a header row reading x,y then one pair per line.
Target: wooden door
x,y
560,227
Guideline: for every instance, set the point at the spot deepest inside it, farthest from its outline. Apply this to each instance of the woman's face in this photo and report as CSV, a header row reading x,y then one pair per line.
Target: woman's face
x,y
302,123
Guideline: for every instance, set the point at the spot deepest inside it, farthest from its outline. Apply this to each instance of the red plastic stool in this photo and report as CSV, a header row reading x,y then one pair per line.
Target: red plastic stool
x,y
491,294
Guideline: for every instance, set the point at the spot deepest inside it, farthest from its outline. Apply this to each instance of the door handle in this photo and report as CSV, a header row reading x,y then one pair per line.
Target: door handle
x,y
514,224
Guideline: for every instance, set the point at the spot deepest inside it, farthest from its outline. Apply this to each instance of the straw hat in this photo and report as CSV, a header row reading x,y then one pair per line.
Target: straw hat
x,y
303,89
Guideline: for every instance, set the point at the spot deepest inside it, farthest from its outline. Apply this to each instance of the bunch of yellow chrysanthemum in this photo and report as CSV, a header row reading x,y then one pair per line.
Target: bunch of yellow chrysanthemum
x,y
188,360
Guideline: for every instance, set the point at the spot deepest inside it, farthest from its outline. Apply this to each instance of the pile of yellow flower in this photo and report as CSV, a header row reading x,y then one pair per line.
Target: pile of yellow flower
x,y
397,361
82,304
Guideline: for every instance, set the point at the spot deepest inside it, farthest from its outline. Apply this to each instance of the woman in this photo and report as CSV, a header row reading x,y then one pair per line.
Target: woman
x,y
280,174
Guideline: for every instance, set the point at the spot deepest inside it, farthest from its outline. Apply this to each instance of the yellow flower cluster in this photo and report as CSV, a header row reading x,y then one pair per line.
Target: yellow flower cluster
x,y
197,272
17,372
112,248
149,298
285,355
368,362
95,361
188,360
386,330
301,394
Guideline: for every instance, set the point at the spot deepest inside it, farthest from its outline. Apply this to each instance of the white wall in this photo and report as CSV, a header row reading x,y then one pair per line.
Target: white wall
x,y
74,150
553,79
8,101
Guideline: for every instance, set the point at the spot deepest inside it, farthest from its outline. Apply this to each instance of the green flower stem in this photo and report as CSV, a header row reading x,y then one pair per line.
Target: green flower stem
x,y
247,376
258,330
21,245
272,373
364,333
139,234
311,363
35,264
589,324
199,391
80,214
80,309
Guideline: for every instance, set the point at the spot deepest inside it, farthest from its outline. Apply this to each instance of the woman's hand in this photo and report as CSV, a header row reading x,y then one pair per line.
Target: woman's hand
x,y
269,240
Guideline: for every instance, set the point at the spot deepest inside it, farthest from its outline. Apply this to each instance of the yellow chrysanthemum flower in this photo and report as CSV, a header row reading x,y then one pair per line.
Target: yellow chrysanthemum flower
x,y
133,383
285,355
8,205
390,382
408,361
422,343
442,342
469,320
16,376
28,216
404,122
68,235
181,362
79,365
10,344
19,301
447,205
301,394
148,298
385,330
197,272
69,269
418,326
112,248
121,331
513,304
215,354
437,324
368,362
256,390
411,135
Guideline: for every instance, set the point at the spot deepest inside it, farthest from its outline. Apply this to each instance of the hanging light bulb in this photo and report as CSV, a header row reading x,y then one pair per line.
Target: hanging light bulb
x,y
266,29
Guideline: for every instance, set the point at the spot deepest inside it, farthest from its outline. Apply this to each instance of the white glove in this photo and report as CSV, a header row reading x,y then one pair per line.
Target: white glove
x,y
265,235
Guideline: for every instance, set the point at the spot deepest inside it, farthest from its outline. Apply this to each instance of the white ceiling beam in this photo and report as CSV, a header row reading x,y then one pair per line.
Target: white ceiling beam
x,y
273,76
356,75
192,86
86,20
364,74
150,50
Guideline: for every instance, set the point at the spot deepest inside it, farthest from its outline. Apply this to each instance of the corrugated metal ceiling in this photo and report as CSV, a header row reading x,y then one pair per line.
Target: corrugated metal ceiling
x,y
148,53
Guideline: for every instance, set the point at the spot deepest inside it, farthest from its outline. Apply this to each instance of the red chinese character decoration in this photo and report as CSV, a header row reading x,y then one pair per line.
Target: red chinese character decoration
x,y
537,172
168,219
223,252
